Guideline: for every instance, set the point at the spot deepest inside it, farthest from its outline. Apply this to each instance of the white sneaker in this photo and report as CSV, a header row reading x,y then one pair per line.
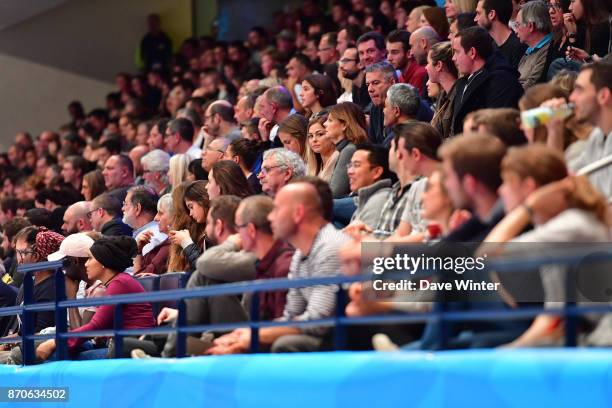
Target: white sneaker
x,y
382,342
139,354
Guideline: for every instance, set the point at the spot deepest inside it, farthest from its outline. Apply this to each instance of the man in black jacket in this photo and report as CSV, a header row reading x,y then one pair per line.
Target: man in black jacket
x,y
488,81
105,216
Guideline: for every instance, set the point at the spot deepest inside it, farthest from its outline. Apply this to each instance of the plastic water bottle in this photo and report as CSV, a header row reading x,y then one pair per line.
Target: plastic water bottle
x,y
533,118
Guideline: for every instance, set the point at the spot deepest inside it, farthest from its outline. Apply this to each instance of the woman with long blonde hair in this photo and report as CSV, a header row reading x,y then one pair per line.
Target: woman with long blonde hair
x,y
321,153
453,8
178,169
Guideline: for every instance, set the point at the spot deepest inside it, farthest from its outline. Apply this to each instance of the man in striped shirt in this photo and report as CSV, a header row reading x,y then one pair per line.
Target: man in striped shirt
x,y
298,218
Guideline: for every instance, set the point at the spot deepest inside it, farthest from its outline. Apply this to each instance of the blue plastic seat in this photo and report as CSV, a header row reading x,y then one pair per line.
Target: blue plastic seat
x,y
149,283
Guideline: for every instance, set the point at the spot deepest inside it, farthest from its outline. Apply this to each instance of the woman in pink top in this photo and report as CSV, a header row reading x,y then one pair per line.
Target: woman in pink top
x,y
110,256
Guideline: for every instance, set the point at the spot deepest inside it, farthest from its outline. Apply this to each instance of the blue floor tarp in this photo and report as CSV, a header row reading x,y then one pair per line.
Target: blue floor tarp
x,y
490,378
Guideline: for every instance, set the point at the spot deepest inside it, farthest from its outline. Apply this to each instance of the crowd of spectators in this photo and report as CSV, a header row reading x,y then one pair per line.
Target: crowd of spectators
x,y
280,154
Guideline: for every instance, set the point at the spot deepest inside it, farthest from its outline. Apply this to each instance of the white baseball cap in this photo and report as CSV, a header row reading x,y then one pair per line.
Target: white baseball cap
x,y
76,245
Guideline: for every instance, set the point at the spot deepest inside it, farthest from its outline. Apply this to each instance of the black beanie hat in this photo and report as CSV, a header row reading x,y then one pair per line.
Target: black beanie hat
x,y
114,252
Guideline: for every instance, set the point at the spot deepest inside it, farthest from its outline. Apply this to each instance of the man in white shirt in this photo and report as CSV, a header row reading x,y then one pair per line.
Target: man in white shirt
x,y
139,210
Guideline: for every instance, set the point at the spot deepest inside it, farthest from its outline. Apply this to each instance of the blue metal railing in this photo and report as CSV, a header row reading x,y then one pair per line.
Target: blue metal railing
x,y
339,321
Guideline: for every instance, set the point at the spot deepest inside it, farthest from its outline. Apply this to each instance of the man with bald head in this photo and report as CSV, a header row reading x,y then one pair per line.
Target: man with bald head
x,y
421,42
76,218
135,155
298,218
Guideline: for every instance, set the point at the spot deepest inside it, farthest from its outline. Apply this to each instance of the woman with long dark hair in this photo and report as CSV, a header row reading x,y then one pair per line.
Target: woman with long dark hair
x,y
246,153
292,133
556,10
317,93
188,225
226,178
93,185
589,26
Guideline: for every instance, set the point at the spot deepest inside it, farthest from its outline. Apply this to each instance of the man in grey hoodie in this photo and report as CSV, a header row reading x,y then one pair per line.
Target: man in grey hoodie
x,y
370,184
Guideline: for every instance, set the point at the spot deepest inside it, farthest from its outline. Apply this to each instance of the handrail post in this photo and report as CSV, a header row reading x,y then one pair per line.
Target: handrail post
x,y
570,318
118,324
254,317
61,325
28,321
181,336
339,328
570,327
442,325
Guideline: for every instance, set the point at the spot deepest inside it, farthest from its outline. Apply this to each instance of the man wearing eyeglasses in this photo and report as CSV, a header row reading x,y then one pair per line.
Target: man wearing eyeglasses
x,y
535,30
349,68
105,216
327,52
278,168
179,139
214,152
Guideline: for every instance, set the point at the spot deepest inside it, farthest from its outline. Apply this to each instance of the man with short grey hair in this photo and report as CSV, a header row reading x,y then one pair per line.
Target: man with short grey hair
x,y
534,30
401,105
278,168
155,166
276,105
378,78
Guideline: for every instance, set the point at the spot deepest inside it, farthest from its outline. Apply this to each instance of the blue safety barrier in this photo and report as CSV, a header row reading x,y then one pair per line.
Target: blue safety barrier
x,y
439,316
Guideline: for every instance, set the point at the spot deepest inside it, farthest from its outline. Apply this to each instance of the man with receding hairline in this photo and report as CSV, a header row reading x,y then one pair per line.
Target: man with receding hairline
x,y
118,175
276,105
219,122
298,218
76,218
